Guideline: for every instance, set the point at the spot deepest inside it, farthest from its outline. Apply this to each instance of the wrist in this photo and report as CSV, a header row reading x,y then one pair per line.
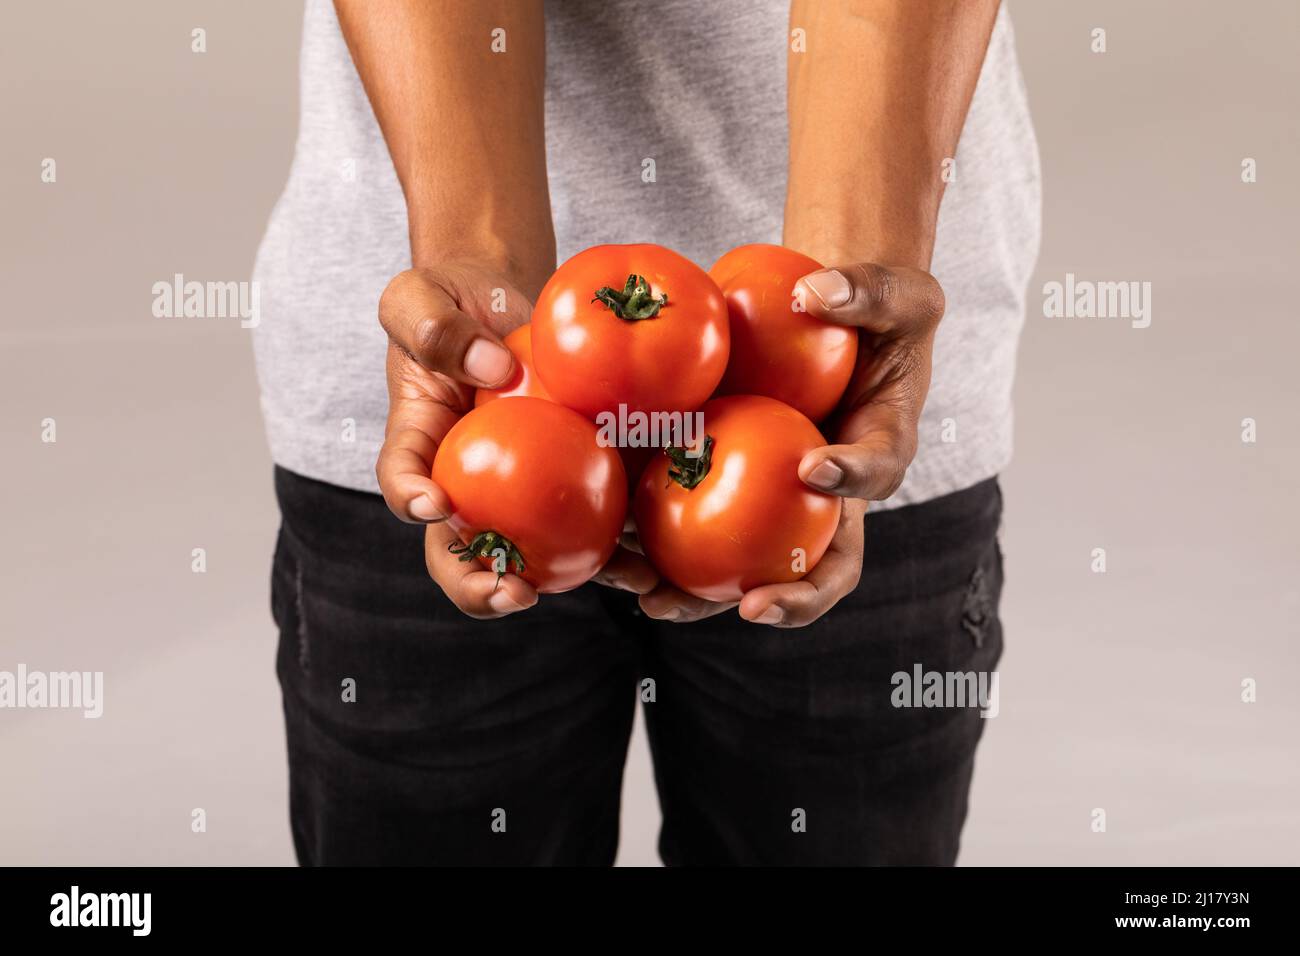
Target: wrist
x,y
884,217
839,236
525,257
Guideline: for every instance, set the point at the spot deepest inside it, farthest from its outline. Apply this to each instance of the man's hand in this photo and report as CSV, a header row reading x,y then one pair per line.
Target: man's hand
x,y
444,340
877,99
896,311
465,128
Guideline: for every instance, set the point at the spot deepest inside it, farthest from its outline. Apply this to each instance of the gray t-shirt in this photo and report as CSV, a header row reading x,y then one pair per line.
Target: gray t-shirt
x,y
709,101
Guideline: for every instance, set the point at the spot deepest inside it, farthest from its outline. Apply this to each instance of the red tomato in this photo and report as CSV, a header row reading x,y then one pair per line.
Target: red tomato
x,y
777,349
736,517
525,380
532,492
635,324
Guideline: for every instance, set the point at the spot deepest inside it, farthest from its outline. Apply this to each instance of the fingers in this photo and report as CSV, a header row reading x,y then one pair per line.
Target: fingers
x,y
629,540
836,574
667,603
423,318
901,308
628,571
444,333
872,467
885,300
471,587
403,469
420,412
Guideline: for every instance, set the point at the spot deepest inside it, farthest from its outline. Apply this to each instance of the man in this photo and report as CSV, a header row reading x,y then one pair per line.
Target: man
x,y
449,149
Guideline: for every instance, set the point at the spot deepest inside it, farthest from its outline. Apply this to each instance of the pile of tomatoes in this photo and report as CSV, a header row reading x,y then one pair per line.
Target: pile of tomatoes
x,y
639,333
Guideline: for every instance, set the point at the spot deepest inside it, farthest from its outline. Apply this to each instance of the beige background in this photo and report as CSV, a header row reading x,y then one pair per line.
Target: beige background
x,y
1119,691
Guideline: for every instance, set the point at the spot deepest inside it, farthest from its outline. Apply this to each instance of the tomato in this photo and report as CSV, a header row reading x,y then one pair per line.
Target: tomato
x,y
777,349
635,324
525,380
737,516
532,491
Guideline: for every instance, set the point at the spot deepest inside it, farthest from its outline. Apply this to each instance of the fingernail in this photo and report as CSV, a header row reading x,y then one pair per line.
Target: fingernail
x,y
423,509
826,475
487,362
503,603
831,287
672,614
772,615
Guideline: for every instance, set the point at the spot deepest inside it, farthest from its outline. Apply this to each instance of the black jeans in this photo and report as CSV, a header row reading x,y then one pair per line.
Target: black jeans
x,y
419,736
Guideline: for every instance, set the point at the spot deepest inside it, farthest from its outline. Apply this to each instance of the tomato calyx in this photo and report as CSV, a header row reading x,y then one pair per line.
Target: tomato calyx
x,y
689,470
634,302
497,548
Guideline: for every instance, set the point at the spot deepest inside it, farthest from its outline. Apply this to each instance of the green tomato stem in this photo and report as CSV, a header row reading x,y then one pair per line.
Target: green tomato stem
x,y
634,302
689,471
497,548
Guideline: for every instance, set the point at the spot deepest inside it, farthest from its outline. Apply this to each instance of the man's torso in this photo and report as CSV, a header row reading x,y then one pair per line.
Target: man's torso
x,y
679,141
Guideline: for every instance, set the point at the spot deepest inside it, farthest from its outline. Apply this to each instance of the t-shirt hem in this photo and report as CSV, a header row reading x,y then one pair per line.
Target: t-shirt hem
x,y
323,455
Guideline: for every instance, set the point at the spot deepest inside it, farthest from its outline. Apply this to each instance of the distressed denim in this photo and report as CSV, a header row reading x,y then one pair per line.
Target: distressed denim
x,y
419,736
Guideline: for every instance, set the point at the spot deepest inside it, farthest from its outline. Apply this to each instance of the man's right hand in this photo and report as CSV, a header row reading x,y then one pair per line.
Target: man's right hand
x,y
465,126
444,341
445,328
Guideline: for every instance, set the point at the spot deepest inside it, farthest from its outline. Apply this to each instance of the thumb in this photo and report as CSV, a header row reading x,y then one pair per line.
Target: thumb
x,y
873,466
881,299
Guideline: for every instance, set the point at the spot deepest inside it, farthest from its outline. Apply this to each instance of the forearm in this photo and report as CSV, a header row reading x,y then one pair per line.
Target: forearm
x,y
876,103
464,126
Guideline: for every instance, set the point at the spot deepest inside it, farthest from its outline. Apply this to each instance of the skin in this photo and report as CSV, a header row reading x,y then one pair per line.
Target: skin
x,y
479,219
863,195
523,381
876,103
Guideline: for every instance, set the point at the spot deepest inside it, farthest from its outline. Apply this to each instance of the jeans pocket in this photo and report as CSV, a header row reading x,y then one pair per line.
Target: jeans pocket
x,y
977,611
979,614
287,606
